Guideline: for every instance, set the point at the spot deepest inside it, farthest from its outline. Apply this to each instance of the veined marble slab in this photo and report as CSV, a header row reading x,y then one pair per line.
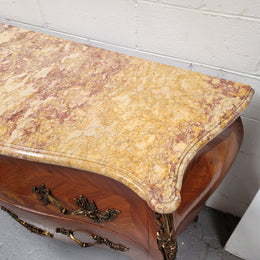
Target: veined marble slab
x,y
136,121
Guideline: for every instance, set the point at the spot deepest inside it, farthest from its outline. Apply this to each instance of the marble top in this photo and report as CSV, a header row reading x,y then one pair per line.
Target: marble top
x,y
136,121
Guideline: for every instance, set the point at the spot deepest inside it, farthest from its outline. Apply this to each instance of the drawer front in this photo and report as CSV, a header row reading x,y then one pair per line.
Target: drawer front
x,y
82,234
116,213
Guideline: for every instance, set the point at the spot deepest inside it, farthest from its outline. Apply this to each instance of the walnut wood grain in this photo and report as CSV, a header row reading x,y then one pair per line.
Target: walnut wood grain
x,y
134,227
18,177
206,171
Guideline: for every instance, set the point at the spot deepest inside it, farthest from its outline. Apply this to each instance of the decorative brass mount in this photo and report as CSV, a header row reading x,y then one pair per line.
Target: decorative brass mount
x,y
88,209
166,237
30,227
47,198
98,240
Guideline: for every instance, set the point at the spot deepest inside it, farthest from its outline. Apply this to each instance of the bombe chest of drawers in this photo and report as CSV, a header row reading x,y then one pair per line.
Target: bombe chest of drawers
x,y
103,149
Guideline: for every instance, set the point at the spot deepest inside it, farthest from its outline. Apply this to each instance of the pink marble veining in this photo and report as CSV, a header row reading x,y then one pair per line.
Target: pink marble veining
x,y
136,121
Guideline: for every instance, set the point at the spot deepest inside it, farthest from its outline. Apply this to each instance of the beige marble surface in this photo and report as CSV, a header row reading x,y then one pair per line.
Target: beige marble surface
x,y
136,121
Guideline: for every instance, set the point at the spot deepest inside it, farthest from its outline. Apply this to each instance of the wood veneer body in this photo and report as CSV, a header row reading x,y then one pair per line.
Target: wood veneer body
x,y
206,171
130,228
135,226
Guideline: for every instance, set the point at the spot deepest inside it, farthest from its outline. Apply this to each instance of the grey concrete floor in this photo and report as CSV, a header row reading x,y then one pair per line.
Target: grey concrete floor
x,y
203,239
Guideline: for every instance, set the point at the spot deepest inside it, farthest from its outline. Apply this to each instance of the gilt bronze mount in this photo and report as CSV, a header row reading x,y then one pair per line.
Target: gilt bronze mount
x,y
166,236
86,208
89,209
47,198
98,240
28,226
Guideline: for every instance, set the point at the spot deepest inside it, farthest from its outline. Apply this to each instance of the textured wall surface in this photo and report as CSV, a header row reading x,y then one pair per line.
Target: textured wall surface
x,y
215,37
244,241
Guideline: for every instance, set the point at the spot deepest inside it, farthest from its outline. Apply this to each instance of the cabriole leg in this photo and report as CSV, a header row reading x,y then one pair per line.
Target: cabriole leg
x,y
166,236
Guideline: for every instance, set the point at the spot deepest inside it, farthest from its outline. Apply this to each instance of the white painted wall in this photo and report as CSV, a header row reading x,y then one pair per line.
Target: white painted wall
x,y
216,37
244,242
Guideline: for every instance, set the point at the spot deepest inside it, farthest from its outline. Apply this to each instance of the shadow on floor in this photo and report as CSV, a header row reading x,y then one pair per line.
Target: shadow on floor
x,y
201,240
205,238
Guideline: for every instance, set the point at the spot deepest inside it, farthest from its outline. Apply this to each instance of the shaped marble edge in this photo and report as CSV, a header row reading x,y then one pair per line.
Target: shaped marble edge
x,y
157,203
